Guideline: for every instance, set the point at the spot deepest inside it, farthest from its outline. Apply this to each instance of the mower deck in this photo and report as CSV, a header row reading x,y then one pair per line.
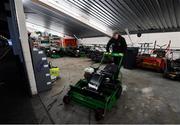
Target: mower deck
x,y
103,100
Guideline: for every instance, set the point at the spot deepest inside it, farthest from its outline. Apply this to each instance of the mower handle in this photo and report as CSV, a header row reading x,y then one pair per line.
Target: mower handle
x,y
113,54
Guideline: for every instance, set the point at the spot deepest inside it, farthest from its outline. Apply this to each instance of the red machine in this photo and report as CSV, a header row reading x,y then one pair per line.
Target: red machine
x,y
70,42
154,59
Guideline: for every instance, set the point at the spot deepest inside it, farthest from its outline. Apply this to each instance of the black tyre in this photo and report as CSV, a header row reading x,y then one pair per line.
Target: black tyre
x,y
66,99
99,114
118,94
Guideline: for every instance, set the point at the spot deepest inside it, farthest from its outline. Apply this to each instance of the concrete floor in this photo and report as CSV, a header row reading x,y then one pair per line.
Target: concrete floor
x,y
146,98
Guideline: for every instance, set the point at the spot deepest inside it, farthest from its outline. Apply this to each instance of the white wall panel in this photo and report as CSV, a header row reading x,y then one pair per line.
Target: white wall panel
x,y
161,38
94,40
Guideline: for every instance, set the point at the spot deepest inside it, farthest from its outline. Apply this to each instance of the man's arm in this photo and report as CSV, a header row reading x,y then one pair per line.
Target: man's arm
x,y
108,45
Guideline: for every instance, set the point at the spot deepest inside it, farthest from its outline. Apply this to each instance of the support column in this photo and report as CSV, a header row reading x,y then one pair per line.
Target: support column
x,y
23,36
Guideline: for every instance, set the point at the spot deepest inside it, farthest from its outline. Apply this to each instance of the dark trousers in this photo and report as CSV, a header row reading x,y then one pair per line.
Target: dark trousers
x,y
117,61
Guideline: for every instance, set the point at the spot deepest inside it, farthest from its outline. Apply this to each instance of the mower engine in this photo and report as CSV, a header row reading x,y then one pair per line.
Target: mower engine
x,y
88,73
95,82
97,79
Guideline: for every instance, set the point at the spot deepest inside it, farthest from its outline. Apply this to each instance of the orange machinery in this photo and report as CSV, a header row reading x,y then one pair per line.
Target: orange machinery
x,y
154,62
69,42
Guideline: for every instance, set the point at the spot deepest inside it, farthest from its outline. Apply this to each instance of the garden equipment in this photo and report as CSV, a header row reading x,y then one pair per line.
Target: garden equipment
x,y
155,60
172,69
54,72
100,88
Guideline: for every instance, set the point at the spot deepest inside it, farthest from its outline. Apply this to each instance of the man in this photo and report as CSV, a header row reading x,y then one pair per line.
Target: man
x,y
118,44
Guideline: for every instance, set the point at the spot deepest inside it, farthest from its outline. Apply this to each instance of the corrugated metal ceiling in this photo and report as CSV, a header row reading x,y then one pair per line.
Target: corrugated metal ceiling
x,y
143,16
59,22
136,15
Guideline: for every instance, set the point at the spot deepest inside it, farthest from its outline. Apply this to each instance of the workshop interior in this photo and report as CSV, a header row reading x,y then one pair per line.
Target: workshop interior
x,y
90,62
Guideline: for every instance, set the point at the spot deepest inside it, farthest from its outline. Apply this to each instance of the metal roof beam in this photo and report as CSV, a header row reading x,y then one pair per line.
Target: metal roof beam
x,y
160,14
172,13
136,14
62,7
88,11
119,14
104,12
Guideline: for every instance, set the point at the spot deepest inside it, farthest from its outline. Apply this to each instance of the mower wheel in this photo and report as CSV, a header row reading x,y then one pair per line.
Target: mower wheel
x,y
66,99
99,114
118,94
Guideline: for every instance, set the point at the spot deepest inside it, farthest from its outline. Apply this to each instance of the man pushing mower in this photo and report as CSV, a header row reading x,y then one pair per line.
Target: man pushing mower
x,y
100,88
118,44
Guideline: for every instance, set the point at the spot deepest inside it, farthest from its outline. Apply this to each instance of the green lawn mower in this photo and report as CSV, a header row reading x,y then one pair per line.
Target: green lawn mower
x,y
100,89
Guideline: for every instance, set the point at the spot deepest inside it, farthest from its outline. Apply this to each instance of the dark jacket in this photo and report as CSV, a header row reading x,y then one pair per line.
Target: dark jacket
x,y
118,45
